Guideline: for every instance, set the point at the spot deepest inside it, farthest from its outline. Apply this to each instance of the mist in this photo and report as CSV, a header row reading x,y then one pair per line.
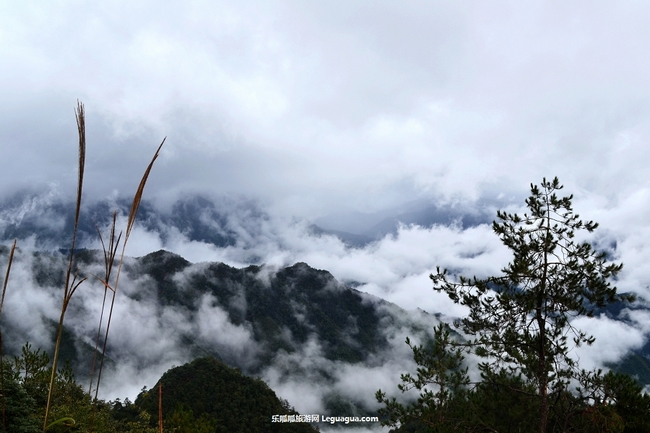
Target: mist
x,y
354,117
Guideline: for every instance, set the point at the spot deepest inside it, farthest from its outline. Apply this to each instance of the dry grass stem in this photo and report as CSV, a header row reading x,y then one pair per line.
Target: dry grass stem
x,y
137,198
109,259
4,284
2,363
71,281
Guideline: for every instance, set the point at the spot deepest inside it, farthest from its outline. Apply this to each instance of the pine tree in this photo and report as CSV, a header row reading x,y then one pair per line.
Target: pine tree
x,y
442,382
522,320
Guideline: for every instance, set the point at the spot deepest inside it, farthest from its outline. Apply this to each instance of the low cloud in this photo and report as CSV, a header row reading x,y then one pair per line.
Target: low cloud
x,y
215,330
614,340
395,267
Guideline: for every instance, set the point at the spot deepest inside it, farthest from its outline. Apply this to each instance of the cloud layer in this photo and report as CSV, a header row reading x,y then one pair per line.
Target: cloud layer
x,y
342,113
318,108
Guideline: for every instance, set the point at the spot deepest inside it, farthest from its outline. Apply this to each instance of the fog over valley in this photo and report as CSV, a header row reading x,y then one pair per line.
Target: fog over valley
x,y
321,160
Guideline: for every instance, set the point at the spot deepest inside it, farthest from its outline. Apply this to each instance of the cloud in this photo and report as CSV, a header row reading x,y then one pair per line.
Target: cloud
x,y
395,267
148,336
29,311
318,110
328,108
308,380
335,112
614,340
214,328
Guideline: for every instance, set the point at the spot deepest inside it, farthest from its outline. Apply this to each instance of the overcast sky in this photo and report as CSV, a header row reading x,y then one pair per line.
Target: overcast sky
x,y
324,107
316,108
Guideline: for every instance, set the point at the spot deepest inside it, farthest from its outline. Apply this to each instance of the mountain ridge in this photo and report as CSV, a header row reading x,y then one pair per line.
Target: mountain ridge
x,y
289,325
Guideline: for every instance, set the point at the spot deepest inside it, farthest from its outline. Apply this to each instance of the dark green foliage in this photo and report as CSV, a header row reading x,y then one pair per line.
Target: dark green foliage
x,y
124,412
442,383
32,369
26,382
624,395
300,299
520,324
331,311
161,266
448,402
508,403
337,404
503,402
522,318
207,392
19,406
205,396
635,365
49,269
182,420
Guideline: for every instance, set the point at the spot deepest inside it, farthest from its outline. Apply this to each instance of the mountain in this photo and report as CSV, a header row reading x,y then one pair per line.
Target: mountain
x,y
210,393
221,222
283,309
50,220
371,226
317,342
311,338
349,239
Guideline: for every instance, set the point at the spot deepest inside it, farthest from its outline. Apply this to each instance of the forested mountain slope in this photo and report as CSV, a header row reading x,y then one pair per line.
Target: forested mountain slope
x,y
295,327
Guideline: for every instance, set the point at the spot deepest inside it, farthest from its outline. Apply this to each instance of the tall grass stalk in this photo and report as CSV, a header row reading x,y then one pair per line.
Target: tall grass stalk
x,y
4,284
72,282
109,256
160,413
2,363
109,260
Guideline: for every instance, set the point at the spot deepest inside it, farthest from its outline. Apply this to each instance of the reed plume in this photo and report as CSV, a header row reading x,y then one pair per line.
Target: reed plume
x,y
72,282
109,257
72,278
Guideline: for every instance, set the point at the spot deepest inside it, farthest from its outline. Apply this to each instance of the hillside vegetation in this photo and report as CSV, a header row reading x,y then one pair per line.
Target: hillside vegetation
x,y
204,396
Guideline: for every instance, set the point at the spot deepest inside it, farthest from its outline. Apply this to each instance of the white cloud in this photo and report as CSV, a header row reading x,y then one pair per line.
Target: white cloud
x,y
215,329
317,109
352,106
614,340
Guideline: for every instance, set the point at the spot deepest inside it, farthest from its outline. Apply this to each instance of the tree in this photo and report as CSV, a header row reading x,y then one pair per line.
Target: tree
x,y
440,406
521,320
32,369
18,408
449,402
182,420
616,397
70,405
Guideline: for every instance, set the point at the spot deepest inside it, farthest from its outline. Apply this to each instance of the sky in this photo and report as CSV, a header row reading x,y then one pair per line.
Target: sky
x,y
323,109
